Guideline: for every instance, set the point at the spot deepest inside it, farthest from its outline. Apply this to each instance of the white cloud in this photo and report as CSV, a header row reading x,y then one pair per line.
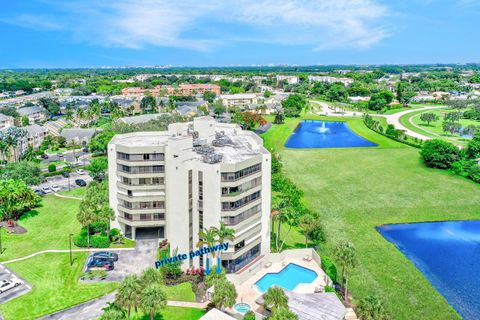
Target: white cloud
x,y
321,24
32,22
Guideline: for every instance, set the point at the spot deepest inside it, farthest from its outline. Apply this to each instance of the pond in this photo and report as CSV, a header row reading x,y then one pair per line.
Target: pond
x,y
448,254
325,134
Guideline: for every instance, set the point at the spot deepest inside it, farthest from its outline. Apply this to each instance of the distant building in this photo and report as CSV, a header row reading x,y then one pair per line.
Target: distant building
x,y
35,135
79,136
33,113
55,127
181,90
241,100
6,121
143,118
327,79
288,79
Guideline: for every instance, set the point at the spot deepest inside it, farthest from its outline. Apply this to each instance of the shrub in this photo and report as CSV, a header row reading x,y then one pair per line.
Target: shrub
x,y
52,167
98,227
250,315
80,240
474,172
372,308
99,242
329,267
439,154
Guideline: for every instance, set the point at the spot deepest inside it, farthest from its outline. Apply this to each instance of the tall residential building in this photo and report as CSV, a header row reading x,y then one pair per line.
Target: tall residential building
x,y
174,183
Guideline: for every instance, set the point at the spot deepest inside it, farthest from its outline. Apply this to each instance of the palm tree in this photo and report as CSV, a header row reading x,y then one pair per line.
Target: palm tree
x,y
80,114
283,314
307,223
128,294
224,294
275,298
224,234
151,275
345,254
86,217
372,308
113,312
209,237
153,298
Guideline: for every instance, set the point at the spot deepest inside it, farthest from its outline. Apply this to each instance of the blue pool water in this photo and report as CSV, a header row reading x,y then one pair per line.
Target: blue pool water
x,y
288,278
325,134
448,254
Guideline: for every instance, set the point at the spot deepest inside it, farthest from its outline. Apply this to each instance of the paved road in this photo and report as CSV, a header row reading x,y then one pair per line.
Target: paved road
x,y
328,111
63,182
6,274
86,311
83,158
395,120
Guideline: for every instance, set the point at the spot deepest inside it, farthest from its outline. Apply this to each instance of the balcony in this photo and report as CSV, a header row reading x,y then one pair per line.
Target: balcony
x,y
140,187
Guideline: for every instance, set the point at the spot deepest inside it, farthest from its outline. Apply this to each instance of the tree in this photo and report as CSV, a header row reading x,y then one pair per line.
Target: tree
x,y
153,298
99,143
451,127
337,92
10,139
25,121
128,294
209,237
267,94
151,275
428,117
275,298
473,148
279,116
372,308
26,171
148,104
452,116
439,154
209,96
50,104
223,234
293,105
68,113
224,294
113,312
283,314
345,255
80,114
16,198
248,120
98,167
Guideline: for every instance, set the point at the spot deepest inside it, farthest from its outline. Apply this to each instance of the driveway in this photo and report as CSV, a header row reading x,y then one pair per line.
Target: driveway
x,y
6,274
83,158
89,310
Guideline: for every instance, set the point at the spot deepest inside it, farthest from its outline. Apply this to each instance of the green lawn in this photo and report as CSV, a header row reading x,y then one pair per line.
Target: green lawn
x,y
181,292
48,227
434,130
55,286
356,189
77,192
172,313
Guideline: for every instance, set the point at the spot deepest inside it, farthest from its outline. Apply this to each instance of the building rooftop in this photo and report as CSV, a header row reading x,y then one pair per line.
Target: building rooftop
x,y
30,110
313,306
141,118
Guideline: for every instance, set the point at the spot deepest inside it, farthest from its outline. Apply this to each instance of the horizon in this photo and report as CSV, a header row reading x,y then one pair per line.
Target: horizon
x,y
48,34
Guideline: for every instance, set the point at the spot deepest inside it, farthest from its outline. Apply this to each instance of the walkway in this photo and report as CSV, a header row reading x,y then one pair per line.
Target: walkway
x,y
327,110
394,119
66,197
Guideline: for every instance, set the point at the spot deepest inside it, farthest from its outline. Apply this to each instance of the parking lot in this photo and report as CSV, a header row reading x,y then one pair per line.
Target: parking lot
x,y
6,274
132,261
62,182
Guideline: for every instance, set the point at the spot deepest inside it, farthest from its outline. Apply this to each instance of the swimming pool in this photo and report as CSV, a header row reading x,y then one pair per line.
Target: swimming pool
x,y
325,134
448,254
288,278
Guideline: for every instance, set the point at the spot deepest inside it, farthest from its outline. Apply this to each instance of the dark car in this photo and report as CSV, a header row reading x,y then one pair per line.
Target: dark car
x,y
44,156
85,149
99,264
80,182
105,255
39,192
66,174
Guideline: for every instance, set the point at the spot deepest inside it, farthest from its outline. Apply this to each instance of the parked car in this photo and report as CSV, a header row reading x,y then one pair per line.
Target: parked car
x,y
54,188
80,182
46,190
6,285
99,264
85,150
44,156
60,155
65,174
105,255
39,192
81,172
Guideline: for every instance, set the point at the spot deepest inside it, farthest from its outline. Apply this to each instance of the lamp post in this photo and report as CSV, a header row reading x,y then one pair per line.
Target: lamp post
x,y
70,242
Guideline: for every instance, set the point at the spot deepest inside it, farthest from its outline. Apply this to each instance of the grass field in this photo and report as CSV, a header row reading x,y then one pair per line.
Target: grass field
x,y
55,286
434,130
181,292
356,189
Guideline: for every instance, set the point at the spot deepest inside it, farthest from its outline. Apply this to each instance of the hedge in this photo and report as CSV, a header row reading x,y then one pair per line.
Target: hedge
x,y
96,241
329,267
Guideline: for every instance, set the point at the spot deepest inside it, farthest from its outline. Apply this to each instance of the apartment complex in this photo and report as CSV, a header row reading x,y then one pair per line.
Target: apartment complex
x,y
181,90
239,100
174,183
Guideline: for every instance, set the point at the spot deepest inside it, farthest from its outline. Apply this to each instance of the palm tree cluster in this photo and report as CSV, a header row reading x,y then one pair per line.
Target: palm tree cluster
x,y
214,236
345,255
276,300
145,292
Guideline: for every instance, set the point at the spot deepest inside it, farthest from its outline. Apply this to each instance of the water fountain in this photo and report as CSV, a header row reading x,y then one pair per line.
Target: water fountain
x,y
323,129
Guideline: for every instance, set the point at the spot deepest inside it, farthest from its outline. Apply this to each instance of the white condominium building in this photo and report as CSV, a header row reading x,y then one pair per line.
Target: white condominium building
x,y
171,184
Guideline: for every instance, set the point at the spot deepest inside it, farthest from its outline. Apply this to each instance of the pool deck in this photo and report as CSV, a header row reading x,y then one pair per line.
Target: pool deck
x,y
247,291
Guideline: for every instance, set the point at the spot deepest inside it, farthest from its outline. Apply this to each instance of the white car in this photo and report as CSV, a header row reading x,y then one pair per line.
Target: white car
x,y
55,188
46,190
6,285
81,172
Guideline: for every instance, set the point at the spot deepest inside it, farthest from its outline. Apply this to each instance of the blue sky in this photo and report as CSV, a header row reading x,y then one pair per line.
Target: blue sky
x,y
85,33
